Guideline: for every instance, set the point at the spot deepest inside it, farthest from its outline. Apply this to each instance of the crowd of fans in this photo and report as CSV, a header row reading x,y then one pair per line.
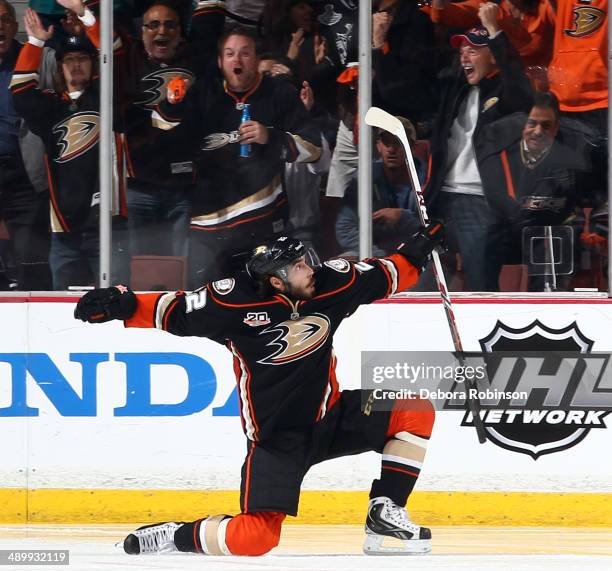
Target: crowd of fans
x,y
236,121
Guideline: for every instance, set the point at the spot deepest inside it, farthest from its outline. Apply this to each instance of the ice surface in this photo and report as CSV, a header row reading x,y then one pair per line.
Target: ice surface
x,y
333,548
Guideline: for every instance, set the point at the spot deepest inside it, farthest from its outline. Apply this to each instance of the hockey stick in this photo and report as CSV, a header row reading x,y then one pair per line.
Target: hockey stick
x,y
376,117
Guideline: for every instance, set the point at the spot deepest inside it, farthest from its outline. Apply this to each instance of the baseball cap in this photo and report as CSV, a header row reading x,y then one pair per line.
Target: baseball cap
x,y
477,37
74,44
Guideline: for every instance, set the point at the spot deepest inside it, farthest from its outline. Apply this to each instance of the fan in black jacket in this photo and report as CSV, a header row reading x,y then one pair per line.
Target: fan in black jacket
x,y
239,199
535,171
490,85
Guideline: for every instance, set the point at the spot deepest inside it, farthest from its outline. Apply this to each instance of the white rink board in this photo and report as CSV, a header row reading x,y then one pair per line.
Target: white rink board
x,y
202,451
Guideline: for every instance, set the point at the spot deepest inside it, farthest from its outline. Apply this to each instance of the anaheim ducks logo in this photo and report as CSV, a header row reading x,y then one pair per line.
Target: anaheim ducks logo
x,y
218,140
296,338
156,84
77,134
587,20
490,103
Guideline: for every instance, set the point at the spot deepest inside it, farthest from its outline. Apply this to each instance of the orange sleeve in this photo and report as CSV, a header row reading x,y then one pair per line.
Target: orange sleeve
x,y
93,33
532,36
518,35
457,15
408,275
146,307
29,58
26,67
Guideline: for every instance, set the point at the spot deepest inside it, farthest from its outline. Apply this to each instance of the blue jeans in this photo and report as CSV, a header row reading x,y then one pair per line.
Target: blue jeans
x,y
74,258
467,219
26,214
158,221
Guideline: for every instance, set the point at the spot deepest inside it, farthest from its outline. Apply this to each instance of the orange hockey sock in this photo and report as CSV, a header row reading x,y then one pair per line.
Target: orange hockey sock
x,y
244,534
254,533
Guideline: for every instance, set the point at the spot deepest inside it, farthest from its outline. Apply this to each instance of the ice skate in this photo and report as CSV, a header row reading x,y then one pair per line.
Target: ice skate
x,y
387,520
157,538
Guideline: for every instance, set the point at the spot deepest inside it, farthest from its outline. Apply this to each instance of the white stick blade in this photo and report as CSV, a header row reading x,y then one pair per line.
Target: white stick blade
x,y
377,117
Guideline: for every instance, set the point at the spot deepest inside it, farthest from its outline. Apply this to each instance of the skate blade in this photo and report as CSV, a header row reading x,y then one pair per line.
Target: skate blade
x,y
121,545
373,545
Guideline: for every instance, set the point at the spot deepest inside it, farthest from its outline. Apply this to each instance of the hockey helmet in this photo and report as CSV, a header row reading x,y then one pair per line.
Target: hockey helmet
x,y
274,258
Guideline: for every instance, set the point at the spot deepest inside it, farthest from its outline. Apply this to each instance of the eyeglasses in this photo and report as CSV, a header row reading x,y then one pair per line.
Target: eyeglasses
x,y
155,25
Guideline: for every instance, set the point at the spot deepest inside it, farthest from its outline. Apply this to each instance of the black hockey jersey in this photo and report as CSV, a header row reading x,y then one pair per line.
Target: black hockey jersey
x,y
141,84
236,189
283,355
70,132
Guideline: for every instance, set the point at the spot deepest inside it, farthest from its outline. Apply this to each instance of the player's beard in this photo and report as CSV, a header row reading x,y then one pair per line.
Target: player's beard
x,y
303,293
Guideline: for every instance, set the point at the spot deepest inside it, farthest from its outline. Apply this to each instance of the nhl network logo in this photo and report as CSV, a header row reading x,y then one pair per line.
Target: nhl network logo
x,y
548,429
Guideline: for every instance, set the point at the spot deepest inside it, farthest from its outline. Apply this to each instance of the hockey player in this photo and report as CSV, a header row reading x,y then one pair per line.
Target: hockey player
x,y
278,319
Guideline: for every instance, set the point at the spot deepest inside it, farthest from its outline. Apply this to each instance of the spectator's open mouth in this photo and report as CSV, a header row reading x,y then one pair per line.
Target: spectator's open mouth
x,y
161,43
2,40
468,70
237,71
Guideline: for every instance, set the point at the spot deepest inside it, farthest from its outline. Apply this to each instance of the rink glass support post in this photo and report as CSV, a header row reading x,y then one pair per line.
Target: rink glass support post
x,y
364,171
106,140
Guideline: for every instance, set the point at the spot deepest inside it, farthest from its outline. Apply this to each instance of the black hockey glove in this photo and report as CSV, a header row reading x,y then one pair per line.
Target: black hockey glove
x,y
105,304
417,250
